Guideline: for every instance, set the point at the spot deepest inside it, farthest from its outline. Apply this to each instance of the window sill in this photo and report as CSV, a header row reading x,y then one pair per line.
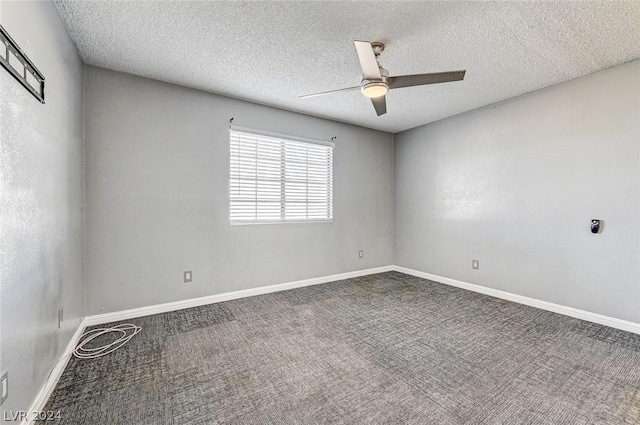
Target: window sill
x,y
250,223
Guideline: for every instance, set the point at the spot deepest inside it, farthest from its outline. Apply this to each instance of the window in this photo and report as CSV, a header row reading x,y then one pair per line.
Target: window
x,y
275,179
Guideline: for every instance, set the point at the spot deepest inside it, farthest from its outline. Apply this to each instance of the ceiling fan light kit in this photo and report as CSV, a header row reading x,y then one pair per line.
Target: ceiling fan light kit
x,y
374,89
376,81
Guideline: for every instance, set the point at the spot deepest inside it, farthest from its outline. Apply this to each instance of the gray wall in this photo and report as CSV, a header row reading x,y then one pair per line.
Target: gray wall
x,y
157,197
515,186
41,196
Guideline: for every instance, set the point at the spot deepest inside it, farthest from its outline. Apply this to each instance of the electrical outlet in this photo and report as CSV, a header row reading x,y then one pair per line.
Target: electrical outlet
x,y
60,317
361,254
475,264
4,384
187,276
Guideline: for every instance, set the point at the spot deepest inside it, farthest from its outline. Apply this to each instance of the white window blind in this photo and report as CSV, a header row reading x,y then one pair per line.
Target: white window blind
x,y
274,179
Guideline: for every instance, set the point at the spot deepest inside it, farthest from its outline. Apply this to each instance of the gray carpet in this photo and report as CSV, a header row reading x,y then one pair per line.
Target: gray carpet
x,y
382,349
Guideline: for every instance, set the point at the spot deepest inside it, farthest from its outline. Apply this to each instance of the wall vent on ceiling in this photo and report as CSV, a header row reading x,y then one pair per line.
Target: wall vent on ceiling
x,y
15,61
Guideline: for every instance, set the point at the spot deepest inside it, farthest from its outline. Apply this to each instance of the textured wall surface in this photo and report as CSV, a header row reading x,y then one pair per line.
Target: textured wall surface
x,y
157,197
41,195
515,185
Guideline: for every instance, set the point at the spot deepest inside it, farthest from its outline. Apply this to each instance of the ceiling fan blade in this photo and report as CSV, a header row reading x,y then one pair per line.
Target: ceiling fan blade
x,y
422,79
368,61
329,92
380,104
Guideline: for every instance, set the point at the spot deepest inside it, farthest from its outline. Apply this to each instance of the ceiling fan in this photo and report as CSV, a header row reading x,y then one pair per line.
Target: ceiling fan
x,y
376,81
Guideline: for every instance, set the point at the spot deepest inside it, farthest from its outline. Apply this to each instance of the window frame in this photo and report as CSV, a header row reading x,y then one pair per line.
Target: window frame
x,y
285,137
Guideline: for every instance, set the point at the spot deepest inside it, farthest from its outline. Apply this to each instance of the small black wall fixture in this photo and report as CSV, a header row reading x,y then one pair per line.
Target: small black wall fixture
x,y
14,60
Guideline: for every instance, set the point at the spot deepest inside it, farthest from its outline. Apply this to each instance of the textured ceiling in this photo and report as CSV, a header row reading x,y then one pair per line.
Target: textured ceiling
x,y
272,52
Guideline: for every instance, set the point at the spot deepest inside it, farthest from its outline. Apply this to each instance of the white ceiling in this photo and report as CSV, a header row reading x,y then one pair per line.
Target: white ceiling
x,y
272,52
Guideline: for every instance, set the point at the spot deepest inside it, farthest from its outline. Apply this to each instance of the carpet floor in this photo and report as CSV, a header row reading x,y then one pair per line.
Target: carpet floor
x,y
382,349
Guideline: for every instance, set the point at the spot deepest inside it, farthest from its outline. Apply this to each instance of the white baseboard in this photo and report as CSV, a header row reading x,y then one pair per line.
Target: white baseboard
x,y
544,305
54,376
210,299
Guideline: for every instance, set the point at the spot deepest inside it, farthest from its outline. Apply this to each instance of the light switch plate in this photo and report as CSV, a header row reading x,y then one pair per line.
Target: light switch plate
x,y
187,276
475,264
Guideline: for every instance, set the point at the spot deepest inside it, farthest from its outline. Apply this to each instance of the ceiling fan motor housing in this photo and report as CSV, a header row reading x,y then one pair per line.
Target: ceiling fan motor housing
x,y
374,87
